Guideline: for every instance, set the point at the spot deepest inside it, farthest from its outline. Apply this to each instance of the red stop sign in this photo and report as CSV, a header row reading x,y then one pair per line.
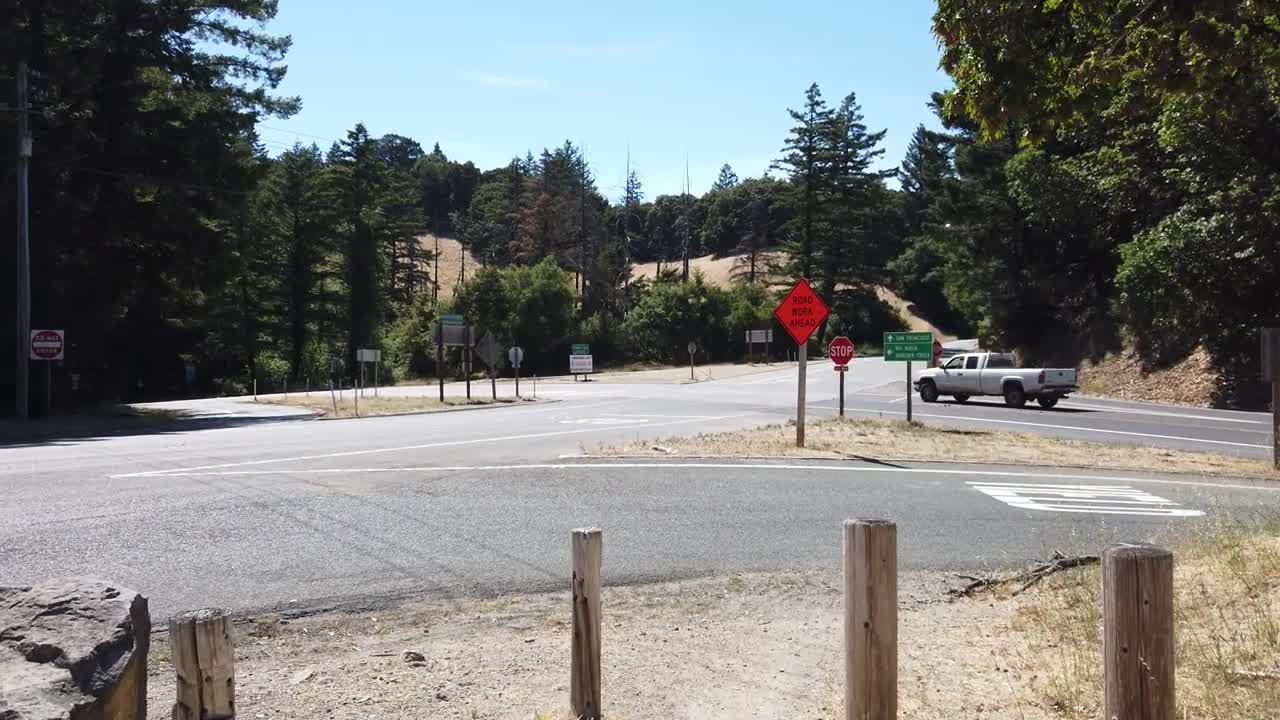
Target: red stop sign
x,y
842,350
937,352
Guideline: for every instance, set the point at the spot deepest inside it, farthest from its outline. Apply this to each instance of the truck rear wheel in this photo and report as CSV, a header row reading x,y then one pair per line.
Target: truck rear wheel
x,y
928,391
1048,401
1014,397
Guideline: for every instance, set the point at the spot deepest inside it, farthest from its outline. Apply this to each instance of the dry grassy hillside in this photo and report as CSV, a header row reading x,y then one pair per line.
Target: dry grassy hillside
x,y
722,271
718,271
451,262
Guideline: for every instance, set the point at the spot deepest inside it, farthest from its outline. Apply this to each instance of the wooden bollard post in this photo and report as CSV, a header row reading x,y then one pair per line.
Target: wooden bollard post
x,y
204,662
1137,634
584,673
871,619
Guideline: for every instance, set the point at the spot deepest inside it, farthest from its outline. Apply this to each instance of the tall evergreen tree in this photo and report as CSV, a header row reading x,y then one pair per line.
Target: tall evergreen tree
x,y
727,178
361,180
804,159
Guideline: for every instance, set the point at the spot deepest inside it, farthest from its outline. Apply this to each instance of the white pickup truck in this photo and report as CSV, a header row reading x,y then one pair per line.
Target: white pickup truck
x,y
964,376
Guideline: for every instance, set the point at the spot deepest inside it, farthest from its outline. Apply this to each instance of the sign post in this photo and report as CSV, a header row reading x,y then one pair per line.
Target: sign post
x,y
801,312
841,351
491,355
451,331
1271,374
516,356
48,346
692,347
581,361
908,347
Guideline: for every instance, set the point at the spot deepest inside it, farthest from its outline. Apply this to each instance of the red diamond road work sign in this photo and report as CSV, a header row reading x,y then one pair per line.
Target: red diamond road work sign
x,y
801,311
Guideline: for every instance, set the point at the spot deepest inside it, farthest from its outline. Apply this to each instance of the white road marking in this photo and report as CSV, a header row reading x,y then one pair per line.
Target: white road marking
x,y
198,472
1105,500
663,417
610,421
1159,413
873,411
424,446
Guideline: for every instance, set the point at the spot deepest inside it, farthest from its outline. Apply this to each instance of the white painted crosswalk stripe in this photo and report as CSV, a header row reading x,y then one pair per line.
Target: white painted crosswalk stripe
x,y
1094,499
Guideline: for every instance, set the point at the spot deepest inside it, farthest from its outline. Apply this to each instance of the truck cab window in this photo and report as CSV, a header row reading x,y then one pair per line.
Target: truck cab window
x,y
971,363
955,364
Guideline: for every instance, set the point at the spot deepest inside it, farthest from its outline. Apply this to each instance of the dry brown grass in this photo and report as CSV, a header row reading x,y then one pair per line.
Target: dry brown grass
x,y
1227,625
451,263
370,405
898,440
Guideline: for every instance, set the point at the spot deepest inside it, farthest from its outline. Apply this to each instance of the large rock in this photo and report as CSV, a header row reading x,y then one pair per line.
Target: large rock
x,y
73,649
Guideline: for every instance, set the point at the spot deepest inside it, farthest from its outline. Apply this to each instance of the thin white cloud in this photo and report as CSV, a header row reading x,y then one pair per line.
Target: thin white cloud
x,y
605,50
505,81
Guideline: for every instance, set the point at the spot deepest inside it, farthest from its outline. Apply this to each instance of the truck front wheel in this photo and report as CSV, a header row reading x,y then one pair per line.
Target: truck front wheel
x,y
1014,397
928,392
1047,401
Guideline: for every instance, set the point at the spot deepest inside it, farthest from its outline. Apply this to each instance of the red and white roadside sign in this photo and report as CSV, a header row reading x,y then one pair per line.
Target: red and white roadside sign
x,y
801,312
842,351
47,344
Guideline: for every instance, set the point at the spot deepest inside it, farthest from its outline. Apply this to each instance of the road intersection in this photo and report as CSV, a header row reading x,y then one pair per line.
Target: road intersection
x,y
263,511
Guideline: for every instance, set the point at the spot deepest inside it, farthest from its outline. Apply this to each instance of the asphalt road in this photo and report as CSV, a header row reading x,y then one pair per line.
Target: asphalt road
x,y
248,510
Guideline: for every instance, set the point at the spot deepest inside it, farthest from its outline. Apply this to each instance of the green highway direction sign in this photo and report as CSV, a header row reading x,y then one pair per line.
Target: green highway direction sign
x,y
453,320
580,349
908,346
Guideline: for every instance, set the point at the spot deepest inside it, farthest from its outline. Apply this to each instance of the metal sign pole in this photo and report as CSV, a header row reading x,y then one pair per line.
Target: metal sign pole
x,y
440,357
908,391
1275,418
800,392
842,394
375,375
48,388
1271,373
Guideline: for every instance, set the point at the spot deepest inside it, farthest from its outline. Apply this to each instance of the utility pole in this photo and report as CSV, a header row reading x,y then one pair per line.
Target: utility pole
x,y
23,335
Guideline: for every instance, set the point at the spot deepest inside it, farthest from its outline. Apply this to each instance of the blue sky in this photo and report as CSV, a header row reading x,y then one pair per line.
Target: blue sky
x,y
489,80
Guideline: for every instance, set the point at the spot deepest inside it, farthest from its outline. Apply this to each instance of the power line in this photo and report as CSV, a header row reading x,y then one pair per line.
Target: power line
x,y
301,134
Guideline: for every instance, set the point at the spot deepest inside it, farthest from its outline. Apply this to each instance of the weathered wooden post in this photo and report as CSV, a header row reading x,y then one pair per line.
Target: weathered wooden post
x,y
1137,634
584,673
871,619
204,662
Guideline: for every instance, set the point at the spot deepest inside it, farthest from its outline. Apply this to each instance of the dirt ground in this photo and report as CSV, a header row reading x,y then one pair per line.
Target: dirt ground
x,y
898,440
1189,382
744,646
766,645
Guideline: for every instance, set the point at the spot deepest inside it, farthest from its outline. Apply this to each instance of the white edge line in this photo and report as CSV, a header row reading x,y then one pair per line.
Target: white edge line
x,y
715,466
1046,425
447,443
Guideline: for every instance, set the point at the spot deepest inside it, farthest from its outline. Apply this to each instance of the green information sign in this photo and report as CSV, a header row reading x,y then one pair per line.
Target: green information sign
x,y
908,346
453,320
580,349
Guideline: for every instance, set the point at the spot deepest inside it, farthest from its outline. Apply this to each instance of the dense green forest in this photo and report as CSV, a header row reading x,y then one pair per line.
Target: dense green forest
x,y
1100,175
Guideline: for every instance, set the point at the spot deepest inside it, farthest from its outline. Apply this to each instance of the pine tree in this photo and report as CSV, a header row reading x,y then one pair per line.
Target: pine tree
x,y
805,160
856,200
361,180
727,179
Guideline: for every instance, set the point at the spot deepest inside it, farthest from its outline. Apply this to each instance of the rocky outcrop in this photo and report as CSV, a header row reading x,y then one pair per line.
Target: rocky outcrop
x,y
73,649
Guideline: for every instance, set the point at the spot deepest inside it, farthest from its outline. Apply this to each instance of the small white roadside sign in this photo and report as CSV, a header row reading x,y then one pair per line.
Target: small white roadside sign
x,y
1094,499
580,365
